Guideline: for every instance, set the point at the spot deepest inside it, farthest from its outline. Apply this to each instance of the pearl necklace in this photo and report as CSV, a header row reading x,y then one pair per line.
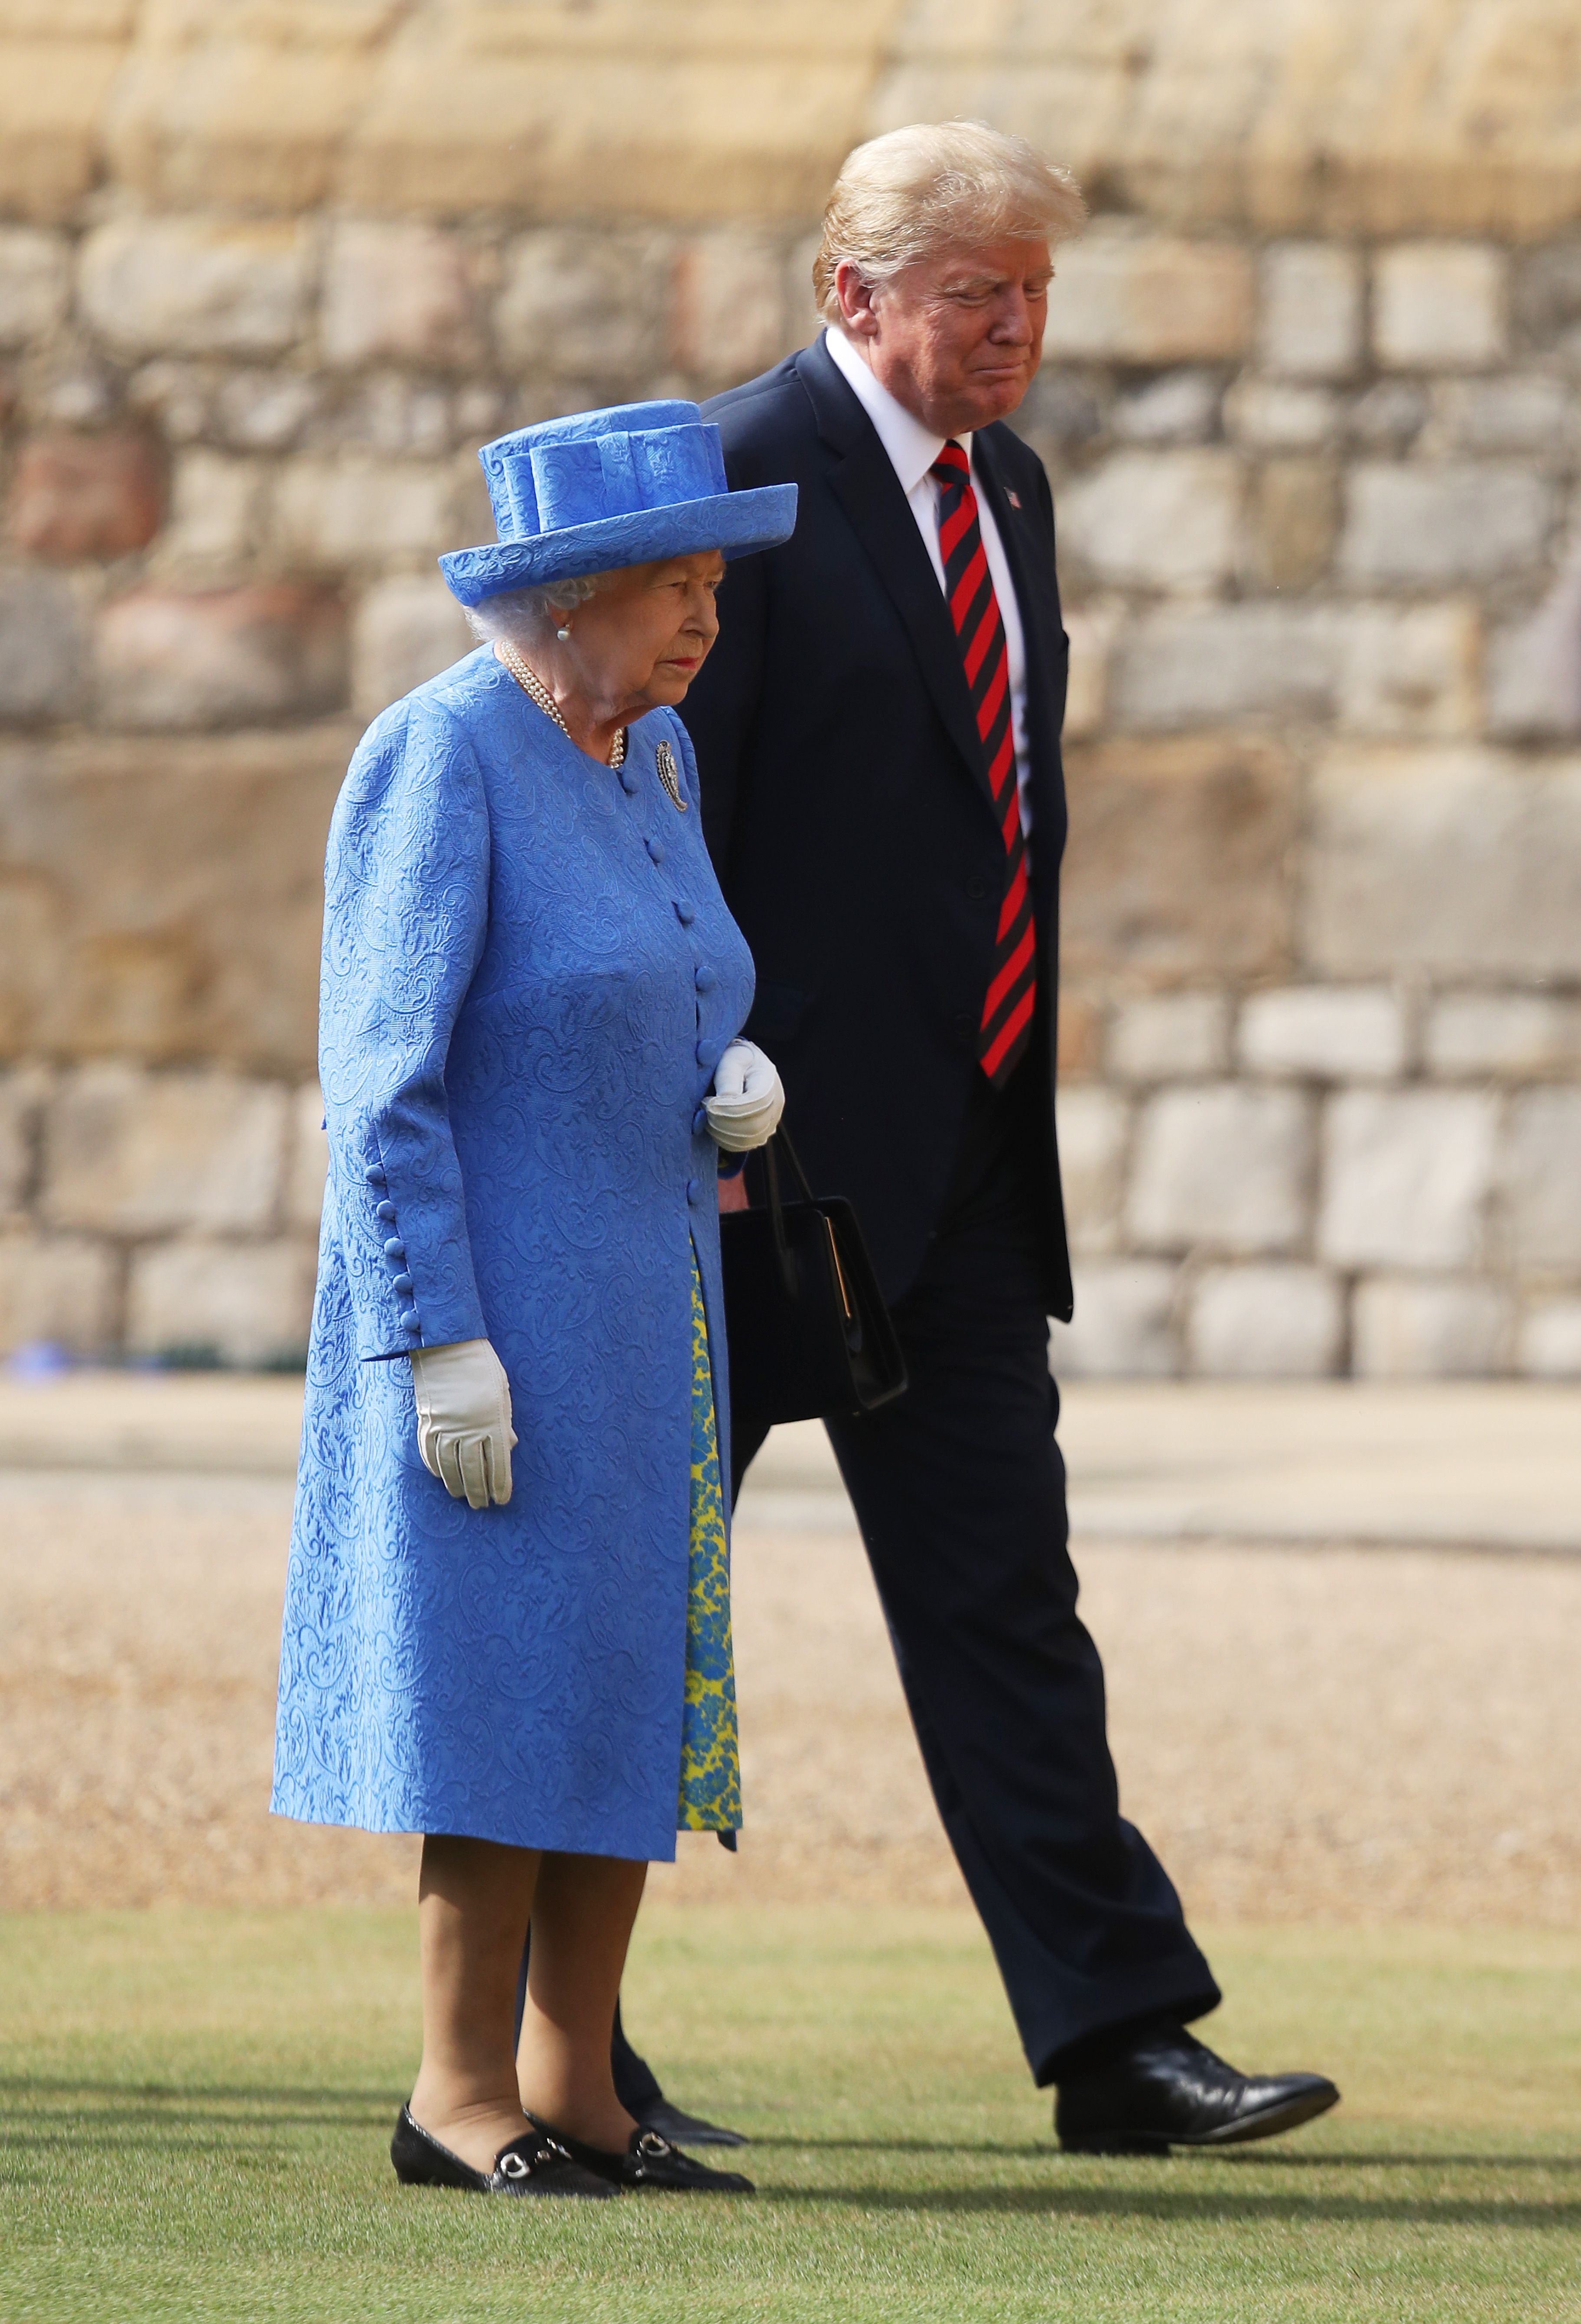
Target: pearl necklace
x,y
534,688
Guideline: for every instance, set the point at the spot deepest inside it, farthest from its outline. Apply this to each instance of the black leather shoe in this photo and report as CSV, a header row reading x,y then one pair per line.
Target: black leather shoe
x,y
532,2164
648,2160
1167,2088
684,2129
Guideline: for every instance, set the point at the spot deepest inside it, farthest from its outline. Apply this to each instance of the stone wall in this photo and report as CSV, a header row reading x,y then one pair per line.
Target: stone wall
x,y
270,272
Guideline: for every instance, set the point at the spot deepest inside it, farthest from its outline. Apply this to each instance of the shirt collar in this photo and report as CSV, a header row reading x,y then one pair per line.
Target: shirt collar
x,y
912,448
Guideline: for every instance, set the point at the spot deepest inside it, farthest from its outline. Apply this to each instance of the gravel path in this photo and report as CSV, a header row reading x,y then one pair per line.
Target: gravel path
x,y
1326,1732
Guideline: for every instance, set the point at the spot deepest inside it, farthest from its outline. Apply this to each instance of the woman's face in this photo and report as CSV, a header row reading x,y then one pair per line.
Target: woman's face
x,y
642,639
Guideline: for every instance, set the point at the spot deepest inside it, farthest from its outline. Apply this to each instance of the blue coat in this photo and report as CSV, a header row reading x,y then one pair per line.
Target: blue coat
x,y
529,977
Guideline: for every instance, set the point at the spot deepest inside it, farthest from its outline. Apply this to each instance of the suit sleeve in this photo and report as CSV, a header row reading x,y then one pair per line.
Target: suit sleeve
x,y
721,706
406,908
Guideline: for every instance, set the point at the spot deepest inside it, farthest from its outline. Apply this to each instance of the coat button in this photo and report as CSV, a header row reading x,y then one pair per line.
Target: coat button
x,y
628,782
412,1323
699,1121
402,1285
386,1210
375,1175
684,912
976,889
655,850
704,980
708,1053
960,1024
693,1190
394,1248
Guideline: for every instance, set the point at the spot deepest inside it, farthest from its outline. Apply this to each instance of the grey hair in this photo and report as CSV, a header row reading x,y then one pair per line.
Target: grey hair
x,y
514,613
935,186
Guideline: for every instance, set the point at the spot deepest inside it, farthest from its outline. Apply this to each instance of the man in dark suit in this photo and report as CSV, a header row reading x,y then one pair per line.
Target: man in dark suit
x,y
878,741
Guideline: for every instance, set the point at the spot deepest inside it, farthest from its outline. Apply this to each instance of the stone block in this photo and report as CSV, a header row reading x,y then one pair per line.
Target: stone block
x,y
246,1303
727,317
161,898
393,414
131,1153
1155,520
1323,1033
196,285
59,1289
1548,1344
307,1162
1391,415
1265,1323
1276,415
22,1092
1522,412
405,631
1224,664
1181,406
1309,310
1539,1180
1123,1327
218,510
1547,296
1439,306
1169,1037
1534,666
180,657
1092,630
398,292
35,283
1179,864
1094,1124
1439,527
1121,296
1292,521
261,410
1457,861
1080,1035
1411,1328
1406,1177
1509,1036
1059,415
1410,669
356,510
86,496
576,305
42,647
1220,1167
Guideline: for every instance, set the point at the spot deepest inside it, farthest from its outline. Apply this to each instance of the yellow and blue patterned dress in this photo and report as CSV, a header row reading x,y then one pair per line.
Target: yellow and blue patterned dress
x,y
710,1759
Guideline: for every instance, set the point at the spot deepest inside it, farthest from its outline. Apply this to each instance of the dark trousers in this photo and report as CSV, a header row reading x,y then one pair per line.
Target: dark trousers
x,y
959,1489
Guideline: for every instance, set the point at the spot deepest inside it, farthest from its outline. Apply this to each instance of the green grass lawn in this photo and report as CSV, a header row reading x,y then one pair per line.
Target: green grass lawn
x,y
197,2108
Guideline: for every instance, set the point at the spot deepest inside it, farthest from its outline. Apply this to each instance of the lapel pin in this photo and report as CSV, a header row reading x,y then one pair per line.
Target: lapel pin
x,y
668,773
1013,498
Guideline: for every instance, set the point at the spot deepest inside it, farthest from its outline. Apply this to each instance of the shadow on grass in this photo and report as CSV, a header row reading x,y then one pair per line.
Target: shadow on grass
x,y
1180,2208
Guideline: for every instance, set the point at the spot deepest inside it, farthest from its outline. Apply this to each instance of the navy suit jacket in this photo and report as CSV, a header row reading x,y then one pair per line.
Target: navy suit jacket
x,y
846,805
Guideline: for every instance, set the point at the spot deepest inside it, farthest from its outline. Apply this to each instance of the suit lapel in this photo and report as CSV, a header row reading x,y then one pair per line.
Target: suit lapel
x,y
1037,594
869,491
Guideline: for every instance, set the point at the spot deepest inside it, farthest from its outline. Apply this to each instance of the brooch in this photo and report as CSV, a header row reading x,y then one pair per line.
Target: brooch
x,y
670,773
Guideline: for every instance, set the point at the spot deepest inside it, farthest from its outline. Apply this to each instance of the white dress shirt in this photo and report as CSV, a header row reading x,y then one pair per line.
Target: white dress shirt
x,y
912,450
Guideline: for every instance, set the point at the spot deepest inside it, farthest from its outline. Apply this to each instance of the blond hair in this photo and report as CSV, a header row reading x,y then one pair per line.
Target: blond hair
x,y
937,186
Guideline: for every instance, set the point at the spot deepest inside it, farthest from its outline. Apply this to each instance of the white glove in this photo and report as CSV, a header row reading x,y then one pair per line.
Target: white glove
x,y
464,1431
747,1100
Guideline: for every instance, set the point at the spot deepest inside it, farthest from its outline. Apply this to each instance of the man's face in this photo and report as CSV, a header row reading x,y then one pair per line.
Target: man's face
x,y
955,338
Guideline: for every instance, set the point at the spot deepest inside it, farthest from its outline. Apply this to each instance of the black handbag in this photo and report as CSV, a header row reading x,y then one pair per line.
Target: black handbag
x,y
810,1334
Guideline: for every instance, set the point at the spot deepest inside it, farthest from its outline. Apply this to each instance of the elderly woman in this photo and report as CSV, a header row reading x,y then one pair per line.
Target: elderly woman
x,y
532,988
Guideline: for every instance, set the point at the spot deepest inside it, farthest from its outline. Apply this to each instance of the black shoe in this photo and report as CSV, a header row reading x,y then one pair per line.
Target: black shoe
x,y
532,2164
648,2160
678,2128
1167,2088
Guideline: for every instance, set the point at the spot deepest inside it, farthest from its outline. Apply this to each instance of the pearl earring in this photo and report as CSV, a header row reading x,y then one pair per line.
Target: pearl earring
x,y
563,634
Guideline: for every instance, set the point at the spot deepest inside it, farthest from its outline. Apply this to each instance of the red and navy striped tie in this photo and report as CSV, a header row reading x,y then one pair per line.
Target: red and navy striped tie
x,y
1006,1024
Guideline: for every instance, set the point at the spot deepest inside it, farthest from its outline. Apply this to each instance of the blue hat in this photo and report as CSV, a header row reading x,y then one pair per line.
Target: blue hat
x,y
625,486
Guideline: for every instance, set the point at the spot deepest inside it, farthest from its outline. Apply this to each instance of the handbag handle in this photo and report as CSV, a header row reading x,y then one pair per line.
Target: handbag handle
x,y
776,1206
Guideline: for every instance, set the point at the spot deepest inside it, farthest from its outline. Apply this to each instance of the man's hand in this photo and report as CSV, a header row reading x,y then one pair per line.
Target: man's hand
x,y
747,1100
463,1432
